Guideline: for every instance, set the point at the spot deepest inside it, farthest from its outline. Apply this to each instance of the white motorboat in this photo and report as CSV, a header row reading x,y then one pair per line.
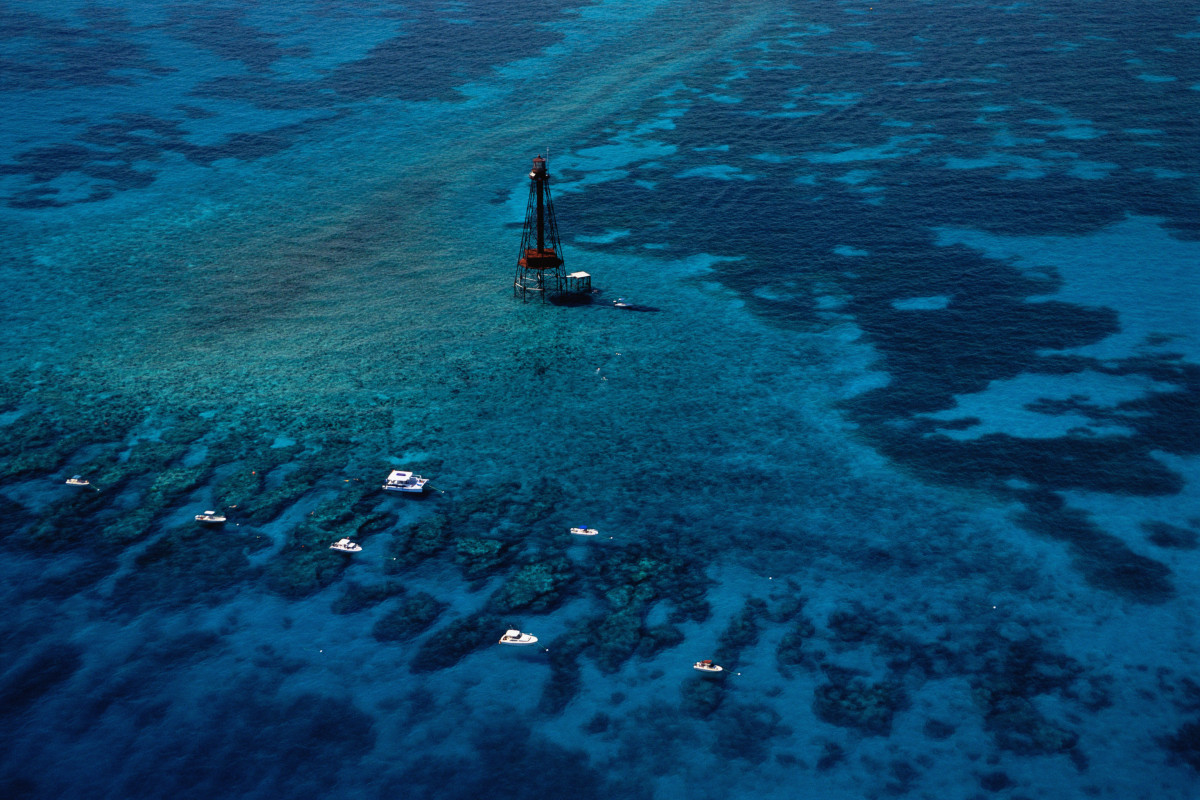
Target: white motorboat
x,y
516,637
210,517
584,531
403,481
708,666
345,546
78,480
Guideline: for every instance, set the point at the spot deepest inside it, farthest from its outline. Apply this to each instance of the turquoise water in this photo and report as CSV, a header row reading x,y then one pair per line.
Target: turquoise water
x,y
906,438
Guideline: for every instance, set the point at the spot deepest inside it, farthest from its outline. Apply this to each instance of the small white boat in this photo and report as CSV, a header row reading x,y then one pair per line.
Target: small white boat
x,y
210,518
403,481
584,531
708,666
78,480
516,637
345,546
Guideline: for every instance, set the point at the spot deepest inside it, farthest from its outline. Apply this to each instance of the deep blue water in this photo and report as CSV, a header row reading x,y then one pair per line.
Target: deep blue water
x,y
909,441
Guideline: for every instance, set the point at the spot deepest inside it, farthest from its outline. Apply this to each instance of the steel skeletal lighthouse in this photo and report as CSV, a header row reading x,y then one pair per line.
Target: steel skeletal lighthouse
x,y
540,264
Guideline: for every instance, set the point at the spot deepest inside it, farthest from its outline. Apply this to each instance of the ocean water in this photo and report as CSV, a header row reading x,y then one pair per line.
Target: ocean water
x,y
905,433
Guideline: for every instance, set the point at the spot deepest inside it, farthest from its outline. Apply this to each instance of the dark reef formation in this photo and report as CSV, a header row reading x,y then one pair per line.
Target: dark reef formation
x,y
850,701
410,618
